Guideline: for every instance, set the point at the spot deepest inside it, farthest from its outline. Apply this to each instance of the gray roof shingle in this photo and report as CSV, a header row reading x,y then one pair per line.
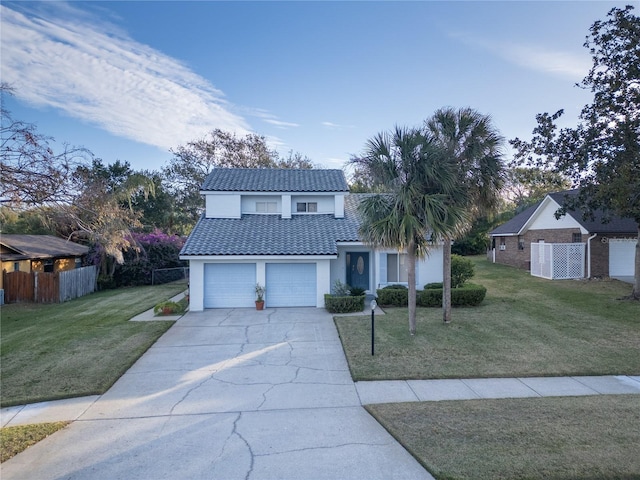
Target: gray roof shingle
x,y
274,180
273,235
513,226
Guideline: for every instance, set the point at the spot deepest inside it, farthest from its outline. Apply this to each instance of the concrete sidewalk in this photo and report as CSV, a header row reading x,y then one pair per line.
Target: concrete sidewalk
x,y
387,392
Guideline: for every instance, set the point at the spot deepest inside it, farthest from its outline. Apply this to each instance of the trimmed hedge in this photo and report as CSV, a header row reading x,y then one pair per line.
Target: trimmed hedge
x,y
348,304
469,295
393,297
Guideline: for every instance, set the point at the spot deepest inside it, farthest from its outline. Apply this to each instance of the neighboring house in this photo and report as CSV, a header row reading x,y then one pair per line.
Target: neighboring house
x,y
294,232
609,248
39,253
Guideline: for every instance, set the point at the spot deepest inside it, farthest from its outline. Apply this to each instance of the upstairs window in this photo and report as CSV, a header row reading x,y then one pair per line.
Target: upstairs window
x,y
307,207
266,207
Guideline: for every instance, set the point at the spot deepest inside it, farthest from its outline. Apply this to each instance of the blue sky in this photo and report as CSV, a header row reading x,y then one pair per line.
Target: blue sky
x,y
130,80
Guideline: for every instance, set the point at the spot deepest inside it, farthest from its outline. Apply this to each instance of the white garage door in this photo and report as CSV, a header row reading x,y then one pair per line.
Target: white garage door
x,y
229,285
291,285
621,257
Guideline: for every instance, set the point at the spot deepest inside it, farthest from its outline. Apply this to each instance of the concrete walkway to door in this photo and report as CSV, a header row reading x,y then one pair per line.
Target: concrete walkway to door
x,y
228,394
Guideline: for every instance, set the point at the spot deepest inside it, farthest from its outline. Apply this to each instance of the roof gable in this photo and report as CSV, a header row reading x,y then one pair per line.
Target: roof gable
x,y
274,180
601,222
544,218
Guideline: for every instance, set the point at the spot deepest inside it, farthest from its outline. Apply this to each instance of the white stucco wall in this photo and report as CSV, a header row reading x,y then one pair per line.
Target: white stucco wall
x,y
196,285
248,202
222,206
339,206
323,280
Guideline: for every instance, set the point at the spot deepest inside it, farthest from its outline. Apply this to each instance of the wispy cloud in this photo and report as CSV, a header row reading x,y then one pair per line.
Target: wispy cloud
x,y
570,65
93,71
270,118
336,125
280,123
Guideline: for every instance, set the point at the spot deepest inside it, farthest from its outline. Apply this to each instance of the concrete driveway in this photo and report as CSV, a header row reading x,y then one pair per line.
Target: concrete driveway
x,y
228,394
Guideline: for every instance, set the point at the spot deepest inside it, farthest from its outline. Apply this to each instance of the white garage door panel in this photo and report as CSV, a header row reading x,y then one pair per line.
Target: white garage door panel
x,y
621,257
291,285
229,285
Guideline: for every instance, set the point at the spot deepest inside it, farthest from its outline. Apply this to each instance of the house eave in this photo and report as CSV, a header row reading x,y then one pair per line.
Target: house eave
x,y
249,258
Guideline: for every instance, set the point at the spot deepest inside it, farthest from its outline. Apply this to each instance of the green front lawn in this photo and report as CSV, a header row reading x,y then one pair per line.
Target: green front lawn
x,y
76,348
527,438
526,326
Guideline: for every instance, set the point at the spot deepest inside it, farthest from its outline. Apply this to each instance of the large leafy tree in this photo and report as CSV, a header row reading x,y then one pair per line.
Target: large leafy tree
x,y
191,163
474,148
525,186
602,153
419,183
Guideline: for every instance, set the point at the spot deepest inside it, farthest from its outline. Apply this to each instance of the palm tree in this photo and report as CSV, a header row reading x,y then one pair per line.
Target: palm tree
x,y
418,182
474,146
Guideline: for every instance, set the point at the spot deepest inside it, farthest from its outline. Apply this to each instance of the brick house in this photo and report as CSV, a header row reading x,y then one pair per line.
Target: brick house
x,y
609,247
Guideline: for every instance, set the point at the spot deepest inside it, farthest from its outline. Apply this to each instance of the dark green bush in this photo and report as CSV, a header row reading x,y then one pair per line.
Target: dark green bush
x,y
432,286
356,291
395,286
393,297
348,304
431,297
461,270
469,295
106,282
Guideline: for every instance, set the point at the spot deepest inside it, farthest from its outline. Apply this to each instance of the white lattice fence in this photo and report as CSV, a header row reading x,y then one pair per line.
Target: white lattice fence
x,y
557,261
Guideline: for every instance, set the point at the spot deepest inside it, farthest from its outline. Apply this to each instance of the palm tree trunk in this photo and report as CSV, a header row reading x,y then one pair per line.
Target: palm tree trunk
x,y
411,278
446,280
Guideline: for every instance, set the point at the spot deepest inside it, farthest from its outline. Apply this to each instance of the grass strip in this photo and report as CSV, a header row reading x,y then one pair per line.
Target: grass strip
x,y
14,440
76,348
525,438
526,326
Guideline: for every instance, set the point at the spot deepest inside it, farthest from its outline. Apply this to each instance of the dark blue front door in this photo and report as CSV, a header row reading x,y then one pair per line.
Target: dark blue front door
x,y
358,269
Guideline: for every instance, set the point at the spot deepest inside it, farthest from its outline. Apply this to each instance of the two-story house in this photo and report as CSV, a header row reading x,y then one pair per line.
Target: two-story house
x,y
294,232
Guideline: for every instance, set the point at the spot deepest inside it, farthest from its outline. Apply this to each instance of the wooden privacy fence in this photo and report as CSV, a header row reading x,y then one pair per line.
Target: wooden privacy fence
x,y
41,287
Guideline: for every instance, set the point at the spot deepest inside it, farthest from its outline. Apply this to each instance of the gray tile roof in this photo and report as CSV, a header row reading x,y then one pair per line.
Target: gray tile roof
x,y
274,180
273,235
